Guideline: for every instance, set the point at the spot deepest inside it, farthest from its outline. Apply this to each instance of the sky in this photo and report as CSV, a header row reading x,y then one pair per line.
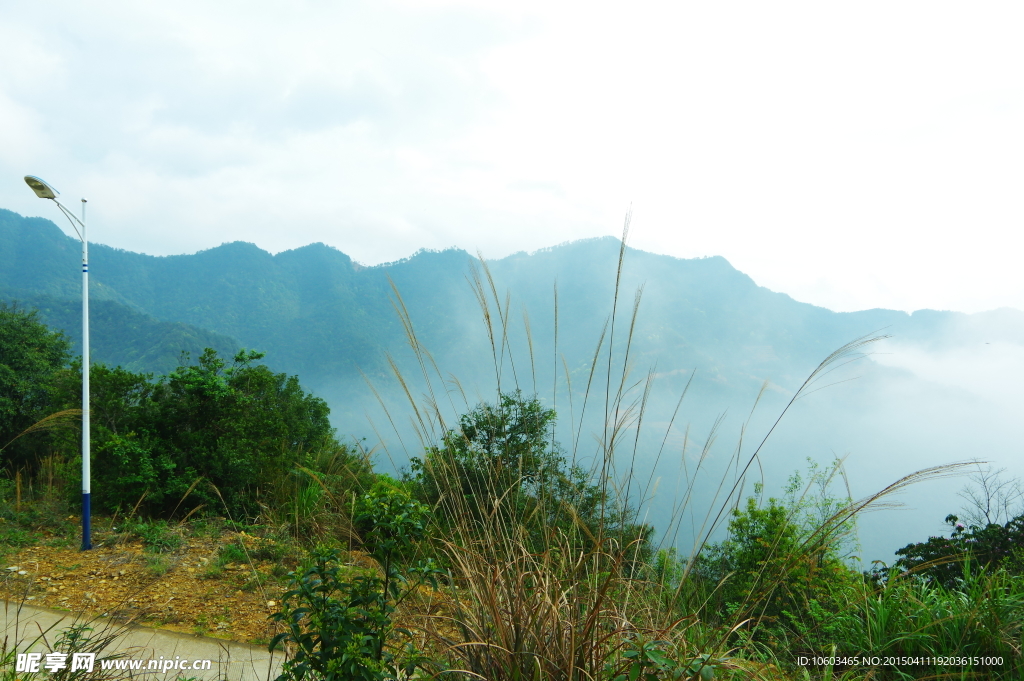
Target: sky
x,y
852,155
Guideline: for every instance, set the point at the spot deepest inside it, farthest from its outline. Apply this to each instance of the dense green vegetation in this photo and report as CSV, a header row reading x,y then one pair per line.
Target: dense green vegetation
x,y
785,562
498,555
208,433
940,559
236,427
31,356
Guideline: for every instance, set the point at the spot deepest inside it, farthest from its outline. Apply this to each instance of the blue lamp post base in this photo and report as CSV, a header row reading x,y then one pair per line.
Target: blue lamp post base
x,y
86,522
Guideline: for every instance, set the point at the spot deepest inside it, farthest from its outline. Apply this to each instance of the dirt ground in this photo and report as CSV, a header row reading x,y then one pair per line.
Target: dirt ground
x,y
190,589
184,590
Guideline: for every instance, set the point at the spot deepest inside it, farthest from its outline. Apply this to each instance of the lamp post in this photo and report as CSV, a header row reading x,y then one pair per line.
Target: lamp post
x,y
45,191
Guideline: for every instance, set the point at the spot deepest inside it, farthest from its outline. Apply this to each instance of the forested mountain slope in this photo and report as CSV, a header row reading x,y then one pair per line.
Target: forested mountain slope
x,y
318,314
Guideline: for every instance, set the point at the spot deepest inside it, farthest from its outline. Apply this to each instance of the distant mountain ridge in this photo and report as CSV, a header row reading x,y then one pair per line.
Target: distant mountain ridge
x,y
320,315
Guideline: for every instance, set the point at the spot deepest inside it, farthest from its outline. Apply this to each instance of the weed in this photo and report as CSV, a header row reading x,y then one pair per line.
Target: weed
x,y
61,542
157,565
202,626
156,535
232,553
649,661
267,549
14,538
206,526
213,571
251,584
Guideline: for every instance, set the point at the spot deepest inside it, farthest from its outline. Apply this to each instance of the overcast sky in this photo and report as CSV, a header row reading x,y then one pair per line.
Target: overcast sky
x,y
853,155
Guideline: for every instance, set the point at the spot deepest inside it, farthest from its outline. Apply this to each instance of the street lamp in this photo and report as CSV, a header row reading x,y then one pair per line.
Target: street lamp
x,y
45,191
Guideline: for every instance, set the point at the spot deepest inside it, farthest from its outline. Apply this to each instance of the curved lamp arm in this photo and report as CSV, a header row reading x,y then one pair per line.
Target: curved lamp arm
x,y
45,191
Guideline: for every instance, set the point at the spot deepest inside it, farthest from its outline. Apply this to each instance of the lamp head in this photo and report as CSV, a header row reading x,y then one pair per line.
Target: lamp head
x,y
42,190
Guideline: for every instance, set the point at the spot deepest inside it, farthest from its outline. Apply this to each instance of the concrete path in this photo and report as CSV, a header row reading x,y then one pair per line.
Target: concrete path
x,y
35,629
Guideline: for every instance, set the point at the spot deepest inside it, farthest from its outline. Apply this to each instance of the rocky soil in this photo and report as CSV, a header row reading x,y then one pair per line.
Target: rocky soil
x,y
189,589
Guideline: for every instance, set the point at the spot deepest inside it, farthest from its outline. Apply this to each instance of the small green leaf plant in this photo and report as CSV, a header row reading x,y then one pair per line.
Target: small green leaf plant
x,y
646,661
338,621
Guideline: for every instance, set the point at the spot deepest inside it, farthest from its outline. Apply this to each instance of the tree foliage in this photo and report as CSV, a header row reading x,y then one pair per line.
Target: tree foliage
x,y
941,559
210,433
31,354
214,432
501,465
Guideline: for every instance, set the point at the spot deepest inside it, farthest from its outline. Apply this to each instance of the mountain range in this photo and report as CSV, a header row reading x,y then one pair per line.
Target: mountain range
x,y
319,314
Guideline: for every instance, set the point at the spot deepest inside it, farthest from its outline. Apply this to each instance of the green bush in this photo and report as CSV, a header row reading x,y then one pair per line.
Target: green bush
x,y
501,460
781,568
390,523
337,623
208,434
340,623
941,560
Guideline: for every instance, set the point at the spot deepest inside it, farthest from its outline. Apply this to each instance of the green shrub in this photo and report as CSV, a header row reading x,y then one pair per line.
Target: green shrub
x,y
780,570
156,535
501,460
209,433
339,624
390,523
